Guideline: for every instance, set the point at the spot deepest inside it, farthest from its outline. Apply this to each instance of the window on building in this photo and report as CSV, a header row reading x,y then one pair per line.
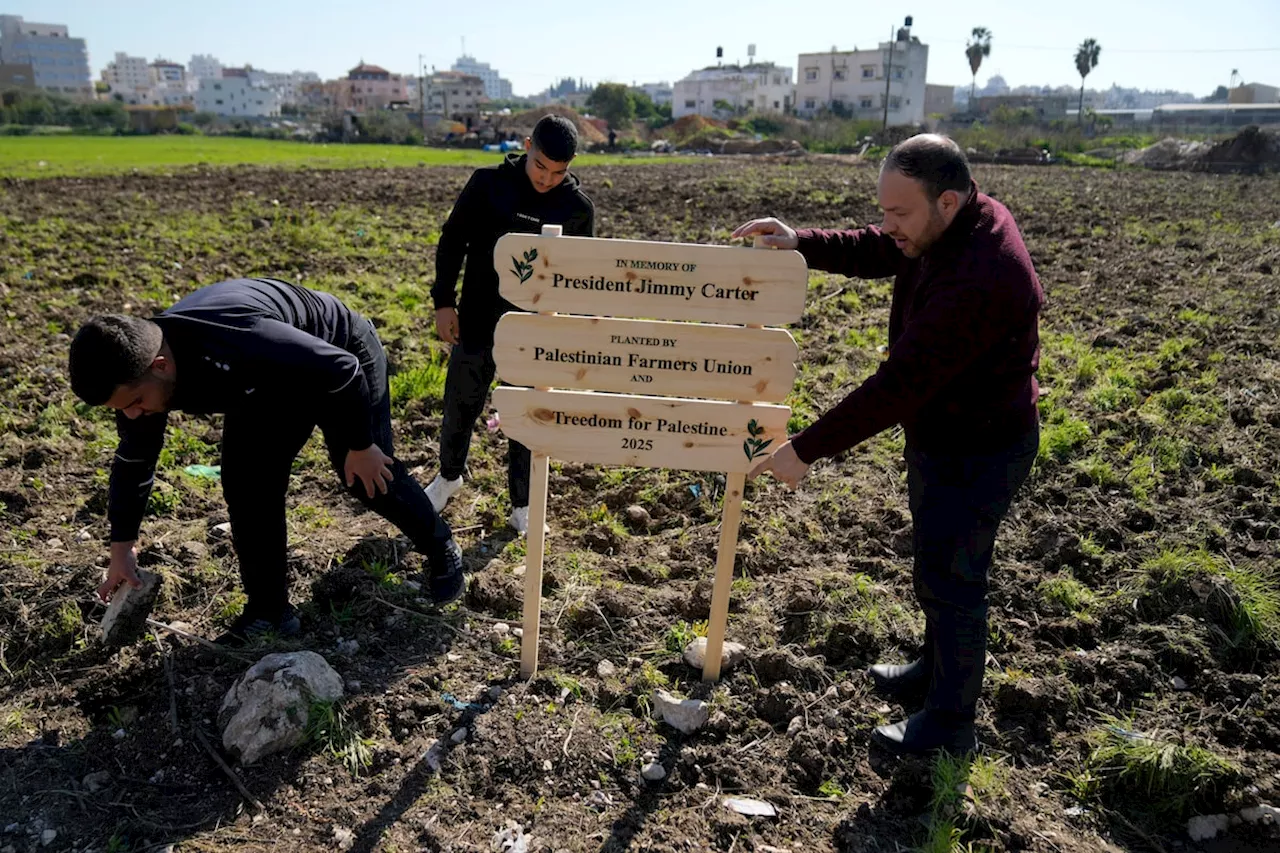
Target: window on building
x,y
810,103
689,105
811,75
868,72
217,87
895,103
837,105
897,74
775,105
218,102
865,103
840,74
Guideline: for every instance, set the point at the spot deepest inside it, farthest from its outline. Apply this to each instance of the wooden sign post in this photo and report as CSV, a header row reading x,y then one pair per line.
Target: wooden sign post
x,y
643,392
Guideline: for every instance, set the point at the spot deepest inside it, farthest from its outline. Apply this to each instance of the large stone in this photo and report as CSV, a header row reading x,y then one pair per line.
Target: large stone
x,y
1207,827
267,709
731,654
685,715
126,616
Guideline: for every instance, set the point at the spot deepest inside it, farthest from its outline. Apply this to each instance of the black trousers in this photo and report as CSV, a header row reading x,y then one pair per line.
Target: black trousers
x,y
471,371
258,449
957,503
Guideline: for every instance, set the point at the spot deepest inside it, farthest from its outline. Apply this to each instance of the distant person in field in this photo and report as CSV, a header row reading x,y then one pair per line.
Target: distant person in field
x,y
278,360
960,378
523,193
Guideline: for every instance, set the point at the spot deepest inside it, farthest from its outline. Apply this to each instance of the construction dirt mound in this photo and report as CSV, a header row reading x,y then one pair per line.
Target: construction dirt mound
x,y
1252,150
523,123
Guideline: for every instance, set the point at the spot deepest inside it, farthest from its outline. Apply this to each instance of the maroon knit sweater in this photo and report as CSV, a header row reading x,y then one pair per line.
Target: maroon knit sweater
x,y
964,340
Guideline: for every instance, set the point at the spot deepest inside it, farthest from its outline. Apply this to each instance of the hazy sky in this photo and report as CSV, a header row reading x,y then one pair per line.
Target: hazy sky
x,y
1189,45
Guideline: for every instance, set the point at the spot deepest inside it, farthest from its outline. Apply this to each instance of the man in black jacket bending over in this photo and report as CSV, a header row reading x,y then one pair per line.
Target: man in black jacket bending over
x,y
278,360
522,194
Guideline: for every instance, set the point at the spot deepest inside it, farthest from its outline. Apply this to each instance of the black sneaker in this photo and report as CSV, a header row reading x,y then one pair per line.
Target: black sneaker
x,y
248,628
445,579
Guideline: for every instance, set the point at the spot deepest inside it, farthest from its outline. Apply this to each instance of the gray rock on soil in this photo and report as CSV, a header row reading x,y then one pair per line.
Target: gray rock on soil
x,y
731,654
126,616
684,715
266,710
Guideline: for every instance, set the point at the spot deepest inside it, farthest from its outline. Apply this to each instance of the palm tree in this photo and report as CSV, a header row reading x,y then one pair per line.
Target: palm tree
x,y
978,47
1086,61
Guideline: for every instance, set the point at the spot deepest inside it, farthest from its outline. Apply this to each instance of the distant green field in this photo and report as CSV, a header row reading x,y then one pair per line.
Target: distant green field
x,y
51,156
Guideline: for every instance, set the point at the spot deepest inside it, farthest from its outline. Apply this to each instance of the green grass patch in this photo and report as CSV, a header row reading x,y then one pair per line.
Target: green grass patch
x,y
1061,436
1245,601
1065,594
330,727
423,382
1158,772
54,156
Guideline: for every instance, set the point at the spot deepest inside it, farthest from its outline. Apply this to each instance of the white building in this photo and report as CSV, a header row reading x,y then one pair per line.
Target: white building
x,y
857,82
58,62
126,74
495,86
758,87
204,67
235,96
286,85
659,93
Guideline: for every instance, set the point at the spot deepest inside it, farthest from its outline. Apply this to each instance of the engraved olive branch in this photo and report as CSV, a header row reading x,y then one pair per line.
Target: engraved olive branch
x,y
755,446
524,269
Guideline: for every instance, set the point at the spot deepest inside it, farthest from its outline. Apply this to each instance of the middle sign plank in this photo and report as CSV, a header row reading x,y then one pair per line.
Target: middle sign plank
x,y
644,432
661,281
645,357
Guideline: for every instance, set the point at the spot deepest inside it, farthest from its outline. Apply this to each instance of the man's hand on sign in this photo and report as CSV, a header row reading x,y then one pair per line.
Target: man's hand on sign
x,y
773,232
447,325
783,464
372,466
123,569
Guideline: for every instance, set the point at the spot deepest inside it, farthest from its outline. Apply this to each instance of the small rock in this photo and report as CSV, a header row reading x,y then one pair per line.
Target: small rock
x,y
638,516
495,693
348,647
599,800
794,727
119,734
1261,813
654,772
126,615
412,586
685,715
749,807
95,782
178,625
265,711
48,837
345,838
434,756
547,766
223,530
1073,811
258,224
606,669
731,654
54,544
84,535
502,629
1179,683
353,686
459,736
517,632
453,658
1207,827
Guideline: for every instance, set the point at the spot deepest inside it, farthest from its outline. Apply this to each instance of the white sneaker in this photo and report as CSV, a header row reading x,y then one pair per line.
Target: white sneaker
x,y
441,490
519,521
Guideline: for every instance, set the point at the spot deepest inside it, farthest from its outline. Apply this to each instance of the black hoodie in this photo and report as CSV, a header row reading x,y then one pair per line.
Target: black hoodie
x,y
498,200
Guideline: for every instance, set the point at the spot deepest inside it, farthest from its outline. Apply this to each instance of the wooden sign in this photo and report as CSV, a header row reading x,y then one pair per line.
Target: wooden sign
x,y
559,275
642,432
664,281
645,357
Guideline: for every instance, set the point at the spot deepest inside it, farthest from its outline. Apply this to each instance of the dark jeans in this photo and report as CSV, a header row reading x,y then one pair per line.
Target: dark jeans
x,y
957,503
471,373
258,449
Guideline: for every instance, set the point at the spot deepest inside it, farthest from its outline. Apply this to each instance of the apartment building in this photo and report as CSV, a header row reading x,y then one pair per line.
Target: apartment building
x,y
728,89
58,62
858,83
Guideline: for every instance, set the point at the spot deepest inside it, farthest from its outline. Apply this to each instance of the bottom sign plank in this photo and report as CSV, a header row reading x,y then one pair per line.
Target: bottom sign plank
x,y
644,432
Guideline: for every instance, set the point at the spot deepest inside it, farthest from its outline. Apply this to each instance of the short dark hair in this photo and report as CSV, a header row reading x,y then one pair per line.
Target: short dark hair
x,y
556,137
935,161
110,351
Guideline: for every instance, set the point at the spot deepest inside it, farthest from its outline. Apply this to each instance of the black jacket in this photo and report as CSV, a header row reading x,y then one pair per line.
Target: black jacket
x,y
498,200
268,346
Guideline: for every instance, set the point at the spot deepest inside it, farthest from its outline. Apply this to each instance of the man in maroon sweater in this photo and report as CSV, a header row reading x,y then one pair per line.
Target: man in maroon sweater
x,y
960,378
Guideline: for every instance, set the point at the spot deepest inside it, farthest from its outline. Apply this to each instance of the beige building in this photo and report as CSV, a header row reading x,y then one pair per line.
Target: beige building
x,y
1254,93
454,95
939,100
371,87
857,83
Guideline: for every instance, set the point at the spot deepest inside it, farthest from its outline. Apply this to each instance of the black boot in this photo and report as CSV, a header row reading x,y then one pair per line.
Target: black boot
x,y
925,732
909,682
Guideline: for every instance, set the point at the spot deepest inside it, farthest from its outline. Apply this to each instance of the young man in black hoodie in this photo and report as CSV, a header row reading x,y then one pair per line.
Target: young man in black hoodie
x,y
278,360
523,193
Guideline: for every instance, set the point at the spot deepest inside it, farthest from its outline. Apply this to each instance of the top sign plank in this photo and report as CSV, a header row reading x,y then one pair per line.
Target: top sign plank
x,y
661,281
